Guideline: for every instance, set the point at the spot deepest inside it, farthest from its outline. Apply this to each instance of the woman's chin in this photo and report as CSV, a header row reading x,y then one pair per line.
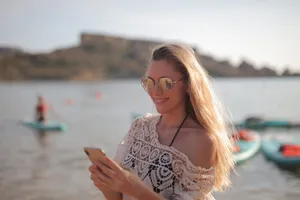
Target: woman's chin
x,y
161,110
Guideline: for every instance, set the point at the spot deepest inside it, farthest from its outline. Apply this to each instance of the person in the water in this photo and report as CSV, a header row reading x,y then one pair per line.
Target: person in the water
x,y
41,110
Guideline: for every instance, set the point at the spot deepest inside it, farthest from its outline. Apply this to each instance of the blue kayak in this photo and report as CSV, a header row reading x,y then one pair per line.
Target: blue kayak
x,y
48,126
270,149
247,148
135,115
268,124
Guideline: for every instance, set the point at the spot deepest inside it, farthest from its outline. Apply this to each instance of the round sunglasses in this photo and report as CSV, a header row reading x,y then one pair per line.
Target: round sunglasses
x,y
164,83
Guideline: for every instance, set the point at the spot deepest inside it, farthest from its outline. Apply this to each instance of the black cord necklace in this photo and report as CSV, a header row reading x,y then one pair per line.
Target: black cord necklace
x,y
177,129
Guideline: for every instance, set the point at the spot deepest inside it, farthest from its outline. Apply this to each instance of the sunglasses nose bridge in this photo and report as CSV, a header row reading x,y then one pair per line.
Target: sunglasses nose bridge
x,y
157,89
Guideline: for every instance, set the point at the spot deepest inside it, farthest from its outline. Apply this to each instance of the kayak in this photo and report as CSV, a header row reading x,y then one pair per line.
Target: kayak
x,y
49,126
271,150
268,124
135,115
247,149
264,124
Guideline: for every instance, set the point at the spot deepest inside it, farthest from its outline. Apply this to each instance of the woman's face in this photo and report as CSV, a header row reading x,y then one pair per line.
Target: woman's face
x,y
166,96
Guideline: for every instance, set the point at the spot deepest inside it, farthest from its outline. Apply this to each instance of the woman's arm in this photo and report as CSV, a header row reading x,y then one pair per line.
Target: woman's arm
x,y
111,195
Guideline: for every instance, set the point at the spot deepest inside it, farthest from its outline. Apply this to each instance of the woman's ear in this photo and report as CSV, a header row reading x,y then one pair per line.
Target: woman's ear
x,y
187,90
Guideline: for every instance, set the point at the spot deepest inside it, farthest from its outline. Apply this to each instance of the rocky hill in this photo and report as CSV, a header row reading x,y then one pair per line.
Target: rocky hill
x,y
99,57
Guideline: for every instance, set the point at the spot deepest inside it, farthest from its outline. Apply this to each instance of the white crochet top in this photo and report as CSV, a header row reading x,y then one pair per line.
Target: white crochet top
x,y
164,169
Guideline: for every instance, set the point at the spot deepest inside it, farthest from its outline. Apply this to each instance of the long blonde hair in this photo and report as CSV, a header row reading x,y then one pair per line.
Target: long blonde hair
x,y
203,106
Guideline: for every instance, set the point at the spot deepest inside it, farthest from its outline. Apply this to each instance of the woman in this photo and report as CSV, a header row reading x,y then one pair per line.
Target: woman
x,y
182,153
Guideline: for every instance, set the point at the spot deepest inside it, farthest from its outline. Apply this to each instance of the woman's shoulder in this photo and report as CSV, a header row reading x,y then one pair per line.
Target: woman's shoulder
x,y
196,171
198,168
203,144
198,145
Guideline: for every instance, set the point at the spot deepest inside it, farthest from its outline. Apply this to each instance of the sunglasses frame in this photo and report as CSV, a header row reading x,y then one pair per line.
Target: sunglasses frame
x,y
146,77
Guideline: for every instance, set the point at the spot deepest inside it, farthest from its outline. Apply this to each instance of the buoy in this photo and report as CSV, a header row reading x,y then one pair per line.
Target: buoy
x,y
70,102
98,95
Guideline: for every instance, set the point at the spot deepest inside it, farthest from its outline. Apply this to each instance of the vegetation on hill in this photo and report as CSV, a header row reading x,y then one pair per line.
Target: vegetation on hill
x,y
99,57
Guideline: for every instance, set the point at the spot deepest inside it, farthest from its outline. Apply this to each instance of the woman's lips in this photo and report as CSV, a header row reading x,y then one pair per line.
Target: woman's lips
x,y
160,101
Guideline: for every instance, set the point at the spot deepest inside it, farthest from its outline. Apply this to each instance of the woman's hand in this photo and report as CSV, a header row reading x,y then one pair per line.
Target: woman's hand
x,y
97,182
108,193
113,177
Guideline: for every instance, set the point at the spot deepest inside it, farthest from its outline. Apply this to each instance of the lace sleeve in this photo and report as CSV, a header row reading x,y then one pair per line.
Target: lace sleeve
x,y
195,185
127,141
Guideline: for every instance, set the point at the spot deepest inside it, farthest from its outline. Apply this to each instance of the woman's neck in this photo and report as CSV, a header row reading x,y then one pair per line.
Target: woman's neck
x,y
173,119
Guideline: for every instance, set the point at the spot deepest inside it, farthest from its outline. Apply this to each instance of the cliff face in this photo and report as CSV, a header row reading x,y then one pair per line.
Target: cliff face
x,y
102,57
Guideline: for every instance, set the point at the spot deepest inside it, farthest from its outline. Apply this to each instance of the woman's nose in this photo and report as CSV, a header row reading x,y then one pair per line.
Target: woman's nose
x,y
157,89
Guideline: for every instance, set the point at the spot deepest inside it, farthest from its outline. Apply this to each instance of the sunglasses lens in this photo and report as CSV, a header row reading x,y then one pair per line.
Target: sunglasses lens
x,y
148,84
165,84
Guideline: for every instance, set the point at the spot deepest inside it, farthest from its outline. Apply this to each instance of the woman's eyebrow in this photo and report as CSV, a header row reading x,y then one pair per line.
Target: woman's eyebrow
x,y
158,77
150,78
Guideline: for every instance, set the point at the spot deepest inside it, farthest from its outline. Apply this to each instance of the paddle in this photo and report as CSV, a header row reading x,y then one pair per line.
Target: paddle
x,y
51,108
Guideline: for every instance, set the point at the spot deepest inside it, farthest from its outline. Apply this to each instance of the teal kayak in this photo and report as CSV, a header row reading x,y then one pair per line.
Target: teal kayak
x,y
267,124
135,115
247,148
270,149
49,126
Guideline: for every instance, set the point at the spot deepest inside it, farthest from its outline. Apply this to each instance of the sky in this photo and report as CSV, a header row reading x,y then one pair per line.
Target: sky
x,y
263,32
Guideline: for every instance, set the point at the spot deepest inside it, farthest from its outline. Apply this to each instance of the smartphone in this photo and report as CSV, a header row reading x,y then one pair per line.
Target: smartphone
x,y
94,154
